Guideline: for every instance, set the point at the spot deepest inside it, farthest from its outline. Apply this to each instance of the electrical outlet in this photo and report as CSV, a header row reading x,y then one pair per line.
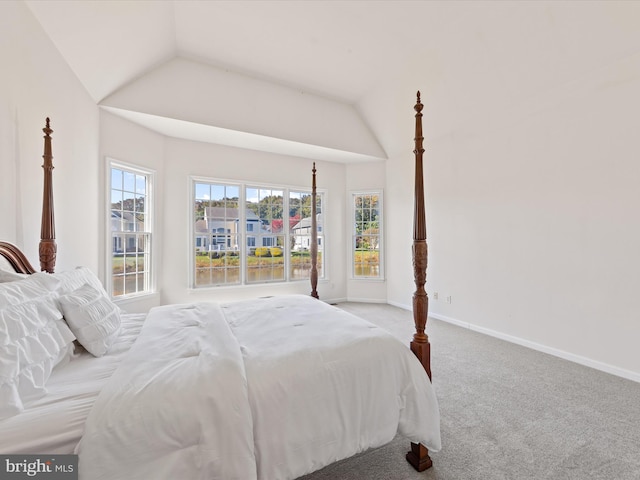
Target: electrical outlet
x,y
435,295
449,299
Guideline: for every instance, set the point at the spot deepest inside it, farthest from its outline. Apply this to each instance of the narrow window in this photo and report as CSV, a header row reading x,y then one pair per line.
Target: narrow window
x,y
367,234
131,230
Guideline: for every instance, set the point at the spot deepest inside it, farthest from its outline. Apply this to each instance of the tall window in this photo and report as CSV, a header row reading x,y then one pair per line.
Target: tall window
x,y
130,225
217,234
367,234
240,236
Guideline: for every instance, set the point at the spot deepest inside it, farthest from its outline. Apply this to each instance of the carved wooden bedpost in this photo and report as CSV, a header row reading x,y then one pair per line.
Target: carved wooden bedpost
x,y
47,231
419,455
313,247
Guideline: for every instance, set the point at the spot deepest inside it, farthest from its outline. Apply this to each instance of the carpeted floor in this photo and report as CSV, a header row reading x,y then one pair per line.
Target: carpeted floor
x,y
508,412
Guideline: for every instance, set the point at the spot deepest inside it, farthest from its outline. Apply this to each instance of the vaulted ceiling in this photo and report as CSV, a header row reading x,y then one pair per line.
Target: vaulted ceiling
x,y
348,51
337,49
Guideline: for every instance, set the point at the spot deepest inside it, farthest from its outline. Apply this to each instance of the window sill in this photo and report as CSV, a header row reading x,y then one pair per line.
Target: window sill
x,y
368,279
125,299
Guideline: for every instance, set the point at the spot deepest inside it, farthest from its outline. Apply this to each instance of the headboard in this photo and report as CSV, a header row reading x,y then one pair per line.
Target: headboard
x,y
16,258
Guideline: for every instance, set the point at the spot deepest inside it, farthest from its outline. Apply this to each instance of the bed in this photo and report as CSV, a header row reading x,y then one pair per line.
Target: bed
x,y
270,388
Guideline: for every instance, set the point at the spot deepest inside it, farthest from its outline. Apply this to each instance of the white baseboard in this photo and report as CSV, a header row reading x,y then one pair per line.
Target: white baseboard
x,y
400,305
365,300
331,301
588,362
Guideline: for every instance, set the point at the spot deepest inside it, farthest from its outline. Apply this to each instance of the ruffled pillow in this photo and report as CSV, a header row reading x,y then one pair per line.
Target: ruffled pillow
x,y
71,280
93,318
33,340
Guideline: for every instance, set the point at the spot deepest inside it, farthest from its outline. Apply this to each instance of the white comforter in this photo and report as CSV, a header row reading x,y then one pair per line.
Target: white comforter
x,y
270,389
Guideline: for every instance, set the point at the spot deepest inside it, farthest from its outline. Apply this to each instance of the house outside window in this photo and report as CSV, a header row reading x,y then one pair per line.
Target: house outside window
x,y
217,218
272,251
130,226
366,246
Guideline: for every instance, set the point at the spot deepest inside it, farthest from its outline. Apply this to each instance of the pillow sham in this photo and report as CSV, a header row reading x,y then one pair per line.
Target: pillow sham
x,y
33,340
92,317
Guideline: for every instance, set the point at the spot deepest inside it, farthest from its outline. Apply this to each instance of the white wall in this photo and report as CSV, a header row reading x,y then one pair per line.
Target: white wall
x,y
37,83
535,221
532,181
184,158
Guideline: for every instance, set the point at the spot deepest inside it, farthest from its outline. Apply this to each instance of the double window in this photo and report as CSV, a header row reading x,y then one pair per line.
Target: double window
x,y
367,237
248,234
130,230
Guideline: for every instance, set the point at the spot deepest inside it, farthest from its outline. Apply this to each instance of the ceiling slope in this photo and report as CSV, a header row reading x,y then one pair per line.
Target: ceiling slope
x,y
187,99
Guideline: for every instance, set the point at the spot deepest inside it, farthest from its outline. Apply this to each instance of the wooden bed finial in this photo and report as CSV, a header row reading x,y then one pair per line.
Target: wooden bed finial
x,y
418,456
313,247
48,246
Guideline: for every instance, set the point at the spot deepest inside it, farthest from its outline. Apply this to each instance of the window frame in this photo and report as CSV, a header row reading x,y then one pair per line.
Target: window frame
x,y
244,233
148,233
353,233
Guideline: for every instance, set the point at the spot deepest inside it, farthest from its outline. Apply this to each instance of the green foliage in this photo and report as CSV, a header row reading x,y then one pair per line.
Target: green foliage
x,y
119,265
367,214
130,205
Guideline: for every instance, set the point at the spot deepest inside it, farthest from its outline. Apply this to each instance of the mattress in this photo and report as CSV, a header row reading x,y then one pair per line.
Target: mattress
x,y
54,423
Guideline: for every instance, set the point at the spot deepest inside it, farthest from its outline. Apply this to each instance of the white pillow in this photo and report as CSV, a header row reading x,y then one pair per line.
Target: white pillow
x,y
7,276
33,339
92,317
71,280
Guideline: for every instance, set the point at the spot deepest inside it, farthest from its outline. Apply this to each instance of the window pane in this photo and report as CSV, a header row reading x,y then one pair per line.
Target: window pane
x,y
217,193
116,179
233,192
130,283
128,204
117,288
129,182
116,199
141,185
203,277
140,204
252,195
203,192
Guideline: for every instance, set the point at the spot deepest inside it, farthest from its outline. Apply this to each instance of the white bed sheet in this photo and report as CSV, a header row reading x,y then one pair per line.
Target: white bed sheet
x,y
55,423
